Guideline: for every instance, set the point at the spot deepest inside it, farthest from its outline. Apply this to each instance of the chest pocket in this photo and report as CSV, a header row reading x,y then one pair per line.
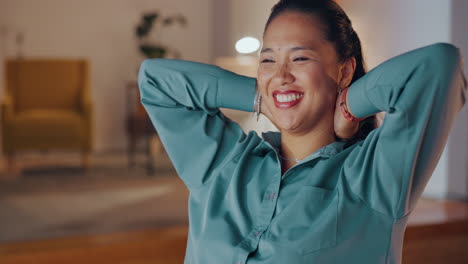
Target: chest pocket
x,y
309,223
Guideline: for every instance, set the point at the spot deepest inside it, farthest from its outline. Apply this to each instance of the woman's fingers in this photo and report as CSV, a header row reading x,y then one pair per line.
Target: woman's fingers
x,y
344,128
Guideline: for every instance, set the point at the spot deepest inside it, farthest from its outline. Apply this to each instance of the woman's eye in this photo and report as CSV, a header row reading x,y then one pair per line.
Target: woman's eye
x,y
267,61
301,59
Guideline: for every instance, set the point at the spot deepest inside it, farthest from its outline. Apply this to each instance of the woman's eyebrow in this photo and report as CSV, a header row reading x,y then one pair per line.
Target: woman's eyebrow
x,y
302,48
292,49
266,50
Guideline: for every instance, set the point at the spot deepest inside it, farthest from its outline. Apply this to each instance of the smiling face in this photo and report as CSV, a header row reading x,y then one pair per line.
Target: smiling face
x,y
299,74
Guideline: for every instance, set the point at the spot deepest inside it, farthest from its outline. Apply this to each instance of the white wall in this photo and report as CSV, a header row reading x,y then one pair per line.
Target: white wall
x,y
389,28
103,32
457,180
222,14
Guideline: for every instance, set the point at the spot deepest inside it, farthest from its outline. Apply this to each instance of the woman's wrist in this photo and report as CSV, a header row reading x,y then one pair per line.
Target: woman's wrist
x,y
344,107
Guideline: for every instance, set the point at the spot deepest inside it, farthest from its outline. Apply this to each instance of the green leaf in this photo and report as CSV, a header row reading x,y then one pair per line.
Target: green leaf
x,y
149,18
181,20
153,51
167,21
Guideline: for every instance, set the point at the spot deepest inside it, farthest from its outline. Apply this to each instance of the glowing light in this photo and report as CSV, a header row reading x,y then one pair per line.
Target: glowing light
x,y
247,45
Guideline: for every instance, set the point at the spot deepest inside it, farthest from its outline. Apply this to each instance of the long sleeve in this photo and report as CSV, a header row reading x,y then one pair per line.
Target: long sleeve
x,y
421,92
182,99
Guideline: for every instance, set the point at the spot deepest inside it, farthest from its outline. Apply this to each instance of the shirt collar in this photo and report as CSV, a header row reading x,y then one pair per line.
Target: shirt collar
x,y
274,140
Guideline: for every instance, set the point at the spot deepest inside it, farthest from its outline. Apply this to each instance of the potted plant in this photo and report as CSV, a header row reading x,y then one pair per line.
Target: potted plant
x,y
154,22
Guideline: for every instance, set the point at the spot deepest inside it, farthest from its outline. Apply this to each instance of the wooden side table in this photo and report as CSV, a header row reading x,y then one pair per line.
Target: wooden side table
x,y
139,126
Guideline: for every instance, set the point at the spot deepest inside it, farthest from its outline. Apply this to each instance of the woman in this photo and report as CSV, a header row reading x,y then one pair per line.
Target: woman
x,y
323,189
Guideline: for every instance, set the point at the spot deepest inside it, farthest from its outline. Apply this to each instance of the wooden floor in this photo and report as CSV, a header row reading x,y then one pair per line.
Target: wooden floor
x,y
437,244
437,232
431,238
152,246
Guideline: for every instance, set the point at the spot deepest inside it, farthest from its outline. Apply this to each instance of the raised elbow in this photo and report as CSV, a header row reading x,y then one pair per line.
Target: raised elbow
x,y
446,63
444,59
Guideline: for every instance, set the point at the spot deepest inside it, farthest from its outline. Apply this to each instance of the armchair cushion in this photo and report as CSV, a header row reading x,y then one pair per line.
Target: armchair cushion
x,y
58,125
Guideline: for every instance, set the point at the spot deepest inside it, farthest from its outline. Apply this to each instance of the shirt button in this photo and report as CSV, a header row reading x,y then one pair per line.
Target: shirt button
x,y
272,196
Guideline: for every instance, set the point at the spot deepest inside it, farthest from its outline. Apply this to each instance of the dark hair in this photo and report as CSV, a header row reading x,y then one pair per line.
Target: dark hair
x,y
338,30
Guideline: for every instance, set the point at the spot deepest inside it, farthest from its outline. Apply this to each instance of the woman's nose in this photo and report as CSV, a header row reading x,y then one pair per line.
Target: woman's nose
x,y
283,74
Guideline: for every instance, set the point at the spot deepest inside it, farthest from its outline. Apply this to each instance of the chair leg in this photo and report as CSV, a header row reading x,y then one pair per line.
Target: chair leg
x,y
85,160
149,156
131,150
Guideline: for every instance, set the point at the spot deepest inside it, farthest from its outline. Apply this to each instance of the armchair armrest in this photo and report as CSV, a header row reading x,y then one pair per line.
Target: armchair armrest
x,y
87,112
86,104
6,108
6,114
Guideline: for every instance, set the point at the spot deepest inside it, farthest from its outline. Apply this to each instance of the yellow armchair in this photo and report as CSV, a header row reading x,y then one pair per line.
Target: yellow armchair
x,y
47,105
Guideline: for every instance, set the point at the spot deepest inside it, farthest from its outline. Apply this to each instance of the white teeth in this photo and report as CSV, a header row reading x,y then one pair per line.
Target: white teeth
x,y
283,98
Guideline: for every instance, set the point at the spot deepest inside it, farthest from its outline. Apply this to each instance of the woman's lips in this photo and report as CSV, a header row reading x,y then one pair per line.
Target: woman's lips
x,y
287,99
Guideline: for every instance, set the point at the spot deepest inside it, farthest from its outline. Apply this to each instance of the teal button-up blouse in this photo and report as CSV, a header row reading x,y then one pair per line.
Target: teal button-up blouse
x,y
342,204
